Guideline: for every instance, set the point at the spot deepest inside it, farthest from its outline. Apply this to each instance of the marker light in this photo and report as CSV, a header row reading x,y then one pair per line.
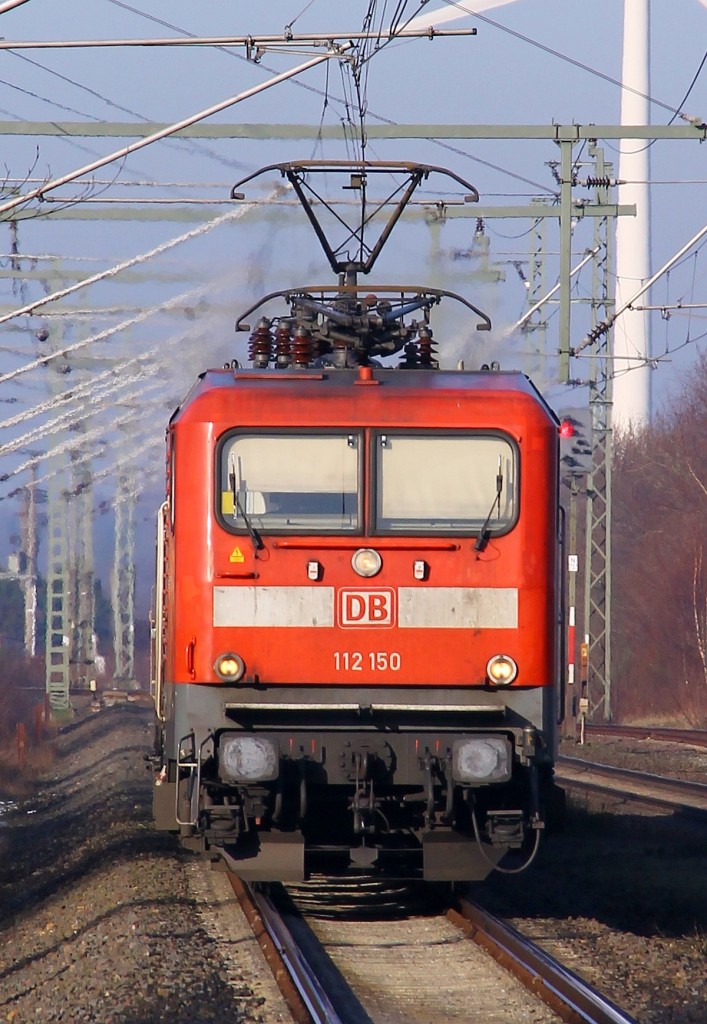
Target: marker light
x,y
229,667
566,428
366,562
501,670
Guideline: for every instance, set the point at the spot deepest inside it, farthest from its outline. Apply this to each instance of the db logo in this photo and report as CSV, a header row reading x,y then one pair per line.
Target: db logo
x,y
366,607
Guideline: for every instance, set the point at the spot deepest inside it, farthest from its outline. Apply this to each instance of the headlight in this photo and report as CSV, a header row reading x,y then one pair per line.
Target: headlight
x,y
366,562
248,759
482,759
501,670
229,667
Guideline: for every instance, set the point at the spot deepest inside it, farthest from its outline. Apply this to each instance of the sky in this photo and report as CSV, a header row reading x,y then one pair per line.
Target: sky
x,y
172,307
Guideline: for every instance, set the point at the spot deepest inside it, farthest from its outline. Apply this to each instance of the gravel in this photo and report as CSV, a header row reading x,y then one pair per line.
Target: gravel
x,y
621,894
657,757
106,920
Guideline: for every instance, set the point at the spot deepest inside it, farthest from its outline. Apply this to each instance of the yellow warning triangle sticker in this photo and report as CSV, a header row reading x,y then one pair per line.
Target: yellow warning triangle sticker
x,y
236,556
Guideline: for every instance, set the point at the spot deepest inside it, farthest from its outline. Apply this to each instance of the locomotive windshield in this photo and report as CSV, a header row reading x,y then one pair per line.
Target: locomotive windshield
x,y
420,483
444,483
293,482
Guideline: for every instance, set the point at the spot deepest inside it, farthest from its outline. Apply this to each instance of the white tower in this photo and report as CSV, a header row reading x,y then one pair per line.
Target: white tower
x,y
632,385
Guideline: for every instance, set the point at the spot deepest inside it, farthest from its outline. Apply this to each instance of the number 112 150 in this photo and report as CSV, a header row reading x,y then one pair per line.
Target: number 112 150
x,y
368,661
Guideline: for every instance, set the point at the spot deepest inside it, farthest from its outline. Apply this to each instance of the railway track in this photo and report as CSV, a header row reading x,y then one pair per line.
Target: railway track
x,y
365,960
689,798
305,996
345,969
690,737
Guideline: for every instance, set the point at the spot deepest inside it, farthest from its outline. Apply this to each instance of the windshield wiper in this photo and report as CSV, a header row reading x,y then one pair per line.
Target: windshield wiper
x,y
485,533
255,537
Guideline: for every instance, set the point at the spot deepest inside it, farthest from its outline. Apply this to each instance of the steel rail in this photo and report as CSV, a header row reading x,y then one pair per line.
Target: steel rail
x,y
574,1000
297,981
676,794
689,737
569,996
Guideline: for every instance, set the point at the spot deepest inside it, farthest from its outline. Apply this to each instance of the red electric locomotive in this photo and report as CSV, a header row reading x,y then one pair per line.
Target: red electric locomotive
x,y
357,622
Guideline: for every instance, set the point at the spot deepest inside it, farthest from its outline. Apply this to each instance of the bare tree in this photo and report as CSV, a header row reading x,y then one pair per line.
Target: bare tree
x,y
660,535
699,601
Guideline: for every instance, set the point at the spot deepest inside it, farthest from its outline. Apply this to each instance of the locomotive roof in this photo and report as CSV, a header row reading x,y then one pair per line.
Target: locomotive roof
x,y
314,384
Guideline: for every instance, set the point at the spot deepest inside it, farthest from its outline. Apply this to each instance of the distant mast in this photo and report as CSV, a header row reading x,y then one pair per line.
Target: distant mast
x,y
632,384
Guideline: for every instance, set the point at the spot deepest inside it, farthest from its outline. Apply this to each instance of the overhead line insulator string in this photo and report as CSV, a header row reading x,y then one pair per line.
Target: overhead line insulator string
x,y
563,56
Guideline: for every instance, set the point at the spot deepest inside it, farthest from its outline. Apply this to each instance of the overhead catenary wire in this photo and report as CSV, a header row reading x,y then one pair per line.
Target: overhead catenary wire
x,y
78,446
75,143
337,99
70,418
690,88
75,408
104,335
397,9
142,389
195,146
37,96
120,464
158,250
147,362
602,327
171,129
76,394
75,443
466,11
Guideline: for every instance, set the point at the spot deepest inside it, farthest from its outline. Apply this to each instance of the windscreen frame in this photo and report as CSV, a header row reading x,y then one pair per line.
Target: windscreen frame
x,y
227,521
471,530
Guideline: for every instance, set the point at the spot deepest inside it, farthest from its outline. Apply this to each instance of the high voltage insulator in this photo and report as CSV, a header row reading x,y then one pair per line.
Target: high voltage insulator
x,y
303,350
283,344
260,344
410,359
426,347
603,182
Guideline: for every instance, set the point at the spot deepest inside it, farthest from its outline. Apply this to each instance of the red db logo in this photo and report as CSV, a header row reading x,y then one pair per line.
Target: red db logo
x,y
366,607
